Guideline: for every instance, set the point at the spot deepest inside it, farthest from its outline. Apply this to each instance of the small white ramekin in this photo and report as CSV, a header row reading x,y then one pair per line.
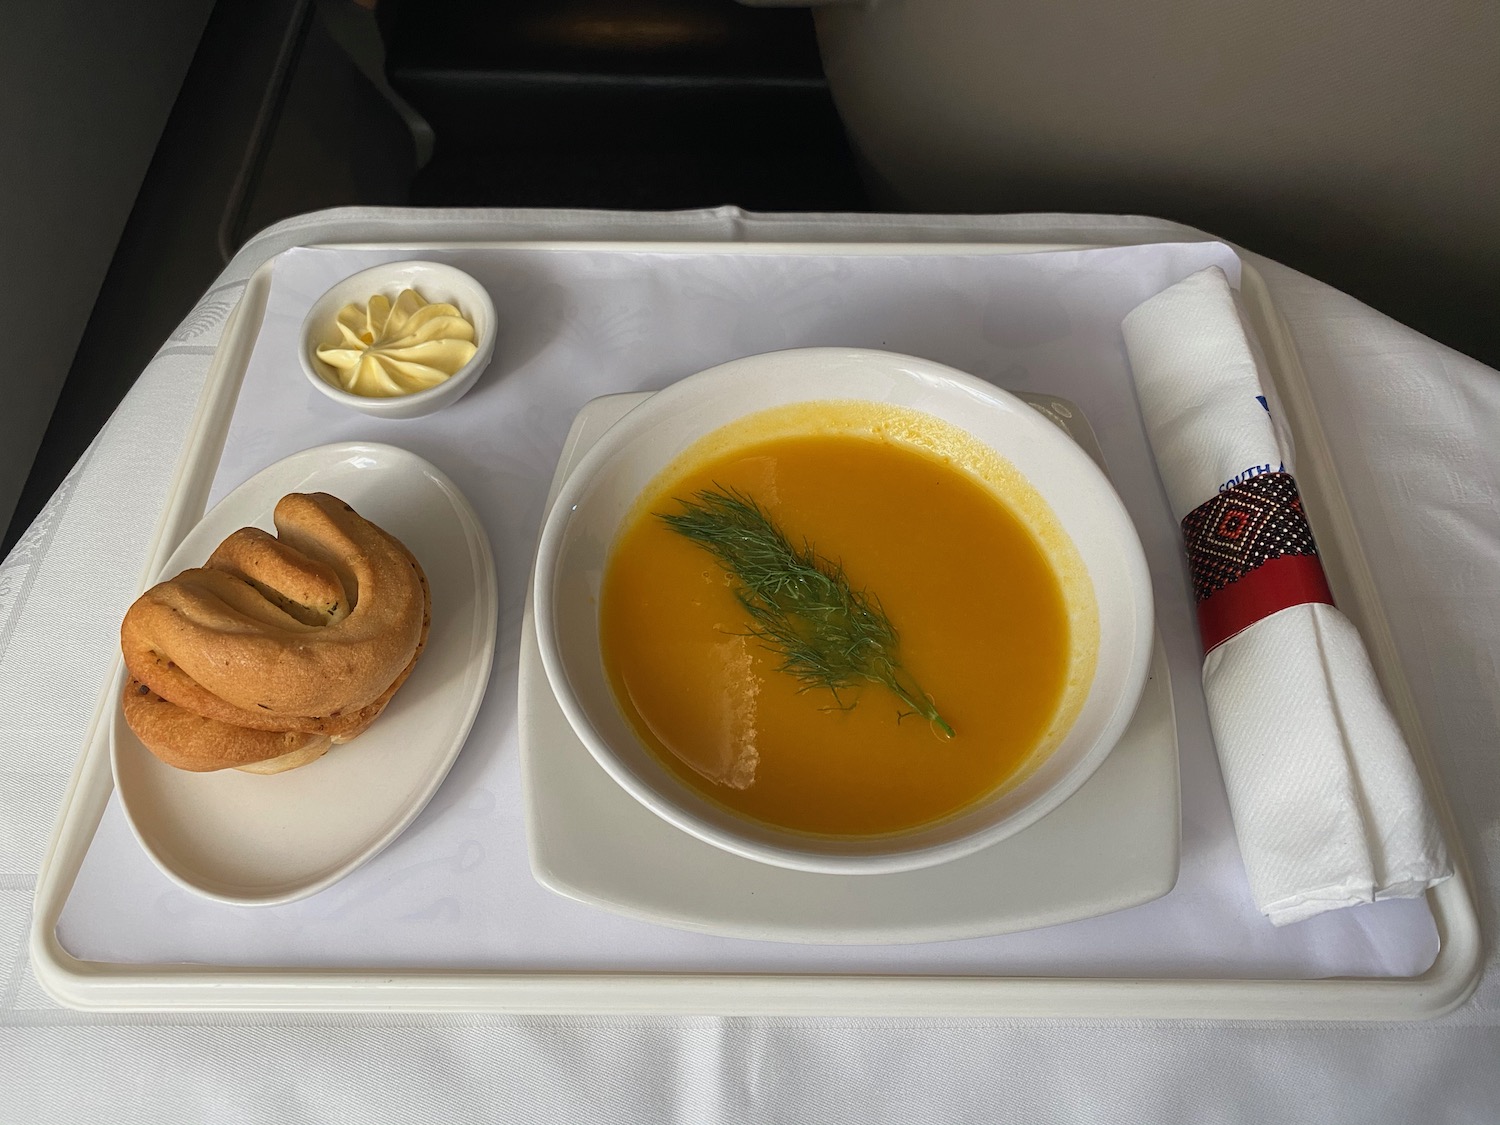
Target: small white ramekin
x,y
437,283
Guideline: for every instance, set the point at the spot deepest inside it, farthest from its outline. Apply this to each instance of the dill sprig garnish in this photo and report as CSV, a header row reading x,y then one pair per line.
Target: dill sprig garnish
x,y
801,605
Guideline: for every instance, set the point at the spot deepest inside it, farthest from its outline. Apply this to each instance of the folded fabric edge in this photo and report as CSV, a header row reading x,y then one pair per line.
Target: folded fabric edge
x,y
1337,896
1320,900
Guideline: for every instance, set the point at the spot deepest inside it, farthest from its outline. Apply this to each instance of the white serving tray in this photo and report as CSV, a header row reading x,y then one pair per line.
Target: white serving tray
x,y
102,985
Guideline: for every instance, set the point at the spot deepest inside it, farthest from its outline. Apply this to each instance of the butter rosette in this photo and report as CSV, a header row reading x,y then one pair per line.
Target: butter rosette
x,y
396,348
1328,808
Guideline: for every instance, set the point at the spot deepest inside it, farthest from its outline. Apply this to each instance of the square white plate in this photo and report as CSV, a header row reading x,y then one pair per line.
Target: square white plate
x,y
1112,845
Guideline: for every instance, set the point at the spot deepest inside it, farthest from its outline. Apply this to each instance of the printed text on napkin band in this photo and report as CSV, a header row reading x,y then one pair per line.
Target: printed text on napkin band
x,y
1252,471
1251,554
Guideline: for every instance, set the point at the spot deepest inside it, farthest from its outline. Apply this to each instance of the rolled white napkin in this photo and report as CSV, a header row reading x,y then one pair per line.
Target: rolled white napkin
x,y
1327,804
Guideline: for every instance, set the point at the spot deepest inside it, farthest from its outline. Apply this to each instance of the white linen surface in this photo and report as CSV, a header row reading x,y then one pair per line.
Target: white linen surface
x,y
455,890
1415,429
1328,808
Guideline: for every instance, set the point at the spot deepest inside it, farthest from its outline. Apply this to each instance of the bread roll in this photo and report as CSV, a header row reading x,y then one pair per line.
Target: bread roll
x,y
280,646
191,742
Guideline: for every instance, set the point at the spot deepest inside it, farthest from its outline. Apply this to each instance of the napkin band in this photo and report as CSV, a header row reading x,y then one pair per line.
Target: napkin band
x,y
1251,554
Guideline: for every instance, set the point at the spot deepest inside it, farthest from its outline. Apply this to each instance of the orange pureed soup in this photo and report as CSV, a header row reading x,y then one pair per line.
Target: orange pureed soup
x,y
992,606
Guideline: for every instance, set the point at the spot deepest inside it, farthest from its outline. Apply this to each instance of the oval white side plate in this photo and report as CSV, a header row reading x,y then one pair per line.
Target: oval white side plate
x,y
261,840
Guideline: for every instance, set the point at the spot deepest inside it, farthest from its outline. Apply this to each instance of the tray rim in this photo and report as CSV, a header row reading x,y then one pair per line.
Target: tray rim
x,y
98,986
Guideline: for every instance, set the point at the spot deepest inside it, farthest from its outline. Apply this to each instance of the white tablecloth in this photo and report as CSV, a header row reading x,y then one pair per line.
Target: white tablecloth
x,y
1415,429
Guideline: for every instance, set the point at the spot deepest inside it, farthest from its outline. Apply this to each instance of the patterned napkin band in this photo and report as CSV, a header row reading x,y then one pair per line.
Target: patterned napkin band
x,y
1251,554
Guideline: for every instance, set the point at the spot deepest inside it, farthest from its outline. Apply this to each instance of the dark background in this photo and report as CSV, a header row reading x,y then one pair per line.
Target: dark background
x,y
290,106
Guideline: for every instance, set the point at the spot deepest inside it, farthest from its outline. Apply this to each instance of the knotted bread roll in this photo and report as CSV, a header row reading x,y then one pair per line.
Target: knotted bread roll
x,y
279,646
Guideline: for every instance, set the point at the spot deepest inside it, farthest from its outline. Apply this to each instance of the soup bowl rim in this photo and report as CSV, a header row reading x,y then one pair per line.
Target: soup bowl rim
x,y
570,652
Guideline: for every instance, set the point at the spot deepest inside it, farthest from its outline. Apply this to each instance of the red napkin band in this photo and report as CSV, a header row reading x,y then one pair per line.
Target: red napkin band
x,y
1251,554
